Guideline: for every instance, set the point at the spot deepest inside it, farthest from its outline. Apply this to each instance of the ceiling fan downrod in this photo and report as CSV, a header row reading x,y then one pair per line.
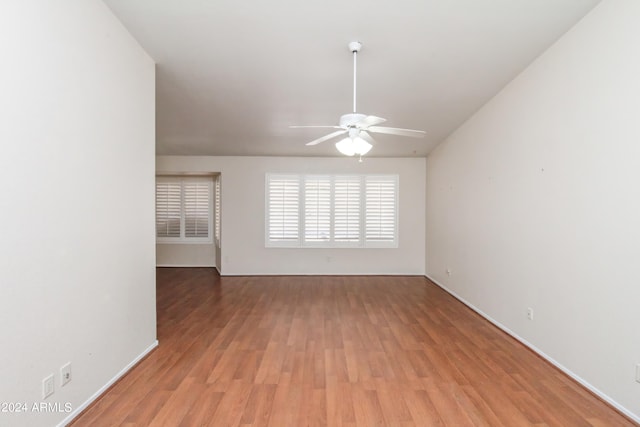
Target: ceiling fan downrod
x,y
354,47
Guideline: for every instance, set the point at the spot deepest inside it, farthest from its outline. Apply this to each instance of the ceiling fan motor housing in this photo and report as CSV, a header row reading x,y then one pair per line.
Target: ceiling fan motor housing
x,y
350,120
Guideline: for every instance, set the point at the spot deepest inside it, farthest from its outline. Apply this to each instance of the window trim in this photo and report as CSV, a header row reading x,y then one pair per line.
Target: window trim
x,y
299,242
183,239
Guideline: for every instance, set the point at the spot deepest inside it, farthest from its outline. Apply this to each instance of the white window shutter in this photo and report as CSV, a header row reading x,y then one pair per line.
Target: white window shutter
x,y
347,208
183,210
380,209
196,208
317,209
283,213
217,210
331,211
168,199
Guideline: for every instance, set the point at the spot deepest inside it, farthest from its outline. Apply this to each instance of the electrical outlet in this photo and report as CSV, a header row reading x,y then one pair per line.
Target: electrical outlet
x,y
65,374
530,313
638,372
47,386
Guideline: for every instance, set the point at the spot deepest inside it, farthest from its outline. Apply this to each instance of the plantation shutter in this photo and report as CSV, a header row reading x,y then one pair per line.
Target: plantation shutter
x,y
168,199
380,209
347,204
317,209
283,212
196,208
331,211
217,208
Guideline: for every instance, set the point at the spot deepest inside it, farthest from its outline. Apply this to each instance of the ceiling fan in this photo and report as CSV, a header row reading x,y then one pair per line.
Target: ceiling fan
x,y
357,126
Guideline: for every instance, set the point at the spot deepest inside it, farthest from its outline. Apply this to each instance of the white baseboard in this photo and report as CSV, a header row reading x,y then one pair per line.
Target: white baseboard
x,y
105,387
184,265
585,384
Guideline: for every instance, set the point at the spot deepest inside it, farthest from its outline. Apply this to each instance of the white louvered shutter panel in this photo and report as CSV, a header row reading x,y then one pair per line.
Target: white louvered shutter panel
x,y
168,201
317,209
346,220
284,209
196,209
381,195
217,210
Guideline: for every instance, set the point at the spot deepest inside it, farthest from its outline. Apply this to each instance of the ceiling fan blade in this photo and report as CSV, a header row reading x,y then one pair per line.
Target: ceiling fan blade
x,y
397,131
369,121
327,126
327,137
364,135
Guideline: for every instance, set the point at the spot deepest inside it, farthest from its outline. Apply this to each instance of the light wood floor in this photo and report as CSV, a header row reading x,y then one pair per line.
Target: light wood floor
x,y
334,351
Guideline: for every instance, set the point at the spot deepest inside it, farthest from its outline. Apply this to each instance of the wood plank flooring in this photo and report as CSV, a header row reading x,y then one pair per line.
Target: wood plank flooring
x,y
334,351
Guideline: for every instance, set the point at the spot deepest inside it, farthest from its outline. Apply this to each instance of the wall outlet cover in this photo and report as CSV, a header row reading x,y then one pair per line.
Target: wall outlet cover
x,y
65,373
530,313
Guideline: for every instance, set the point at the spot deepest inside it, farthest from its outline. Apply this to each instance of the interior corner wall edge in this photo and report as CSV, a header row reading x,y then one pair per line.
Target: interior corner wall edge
x,y
77,253
243,249
534,203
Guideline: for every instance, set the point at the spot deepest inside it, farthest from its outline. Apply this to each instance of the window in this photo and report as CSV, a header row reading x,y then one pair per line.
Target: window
x,y
317,209
347,208
283,206
217,210
183,210
168,210
331,210
380,206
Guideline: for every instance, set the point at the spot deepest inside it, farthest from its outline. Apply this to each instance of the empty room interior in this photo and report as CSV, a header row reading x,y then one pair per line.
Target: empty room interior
x,y
286,213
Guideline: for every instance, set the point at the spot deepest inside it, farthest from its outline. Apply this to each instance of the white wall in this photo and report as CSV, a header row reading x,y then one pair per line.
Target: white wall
x,y
185,255
77,169
243,203
535,202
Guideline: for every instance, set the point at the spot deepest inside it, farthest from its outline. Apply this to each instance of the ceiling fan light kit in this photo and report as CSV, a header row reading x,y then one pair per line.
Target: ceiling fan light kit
x,y
350,147
356,124
353,144
345,146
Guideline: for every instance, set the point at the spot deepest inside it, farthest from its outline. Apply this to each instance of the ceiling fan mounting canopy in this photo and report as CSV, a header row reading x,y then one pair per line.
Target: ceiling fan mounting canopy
x,y
356,124
355,47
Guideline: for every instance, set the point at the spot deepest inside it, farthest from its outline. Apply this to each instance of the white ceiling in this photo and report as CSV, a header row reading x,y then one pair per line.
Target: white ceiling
x,y
232,76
